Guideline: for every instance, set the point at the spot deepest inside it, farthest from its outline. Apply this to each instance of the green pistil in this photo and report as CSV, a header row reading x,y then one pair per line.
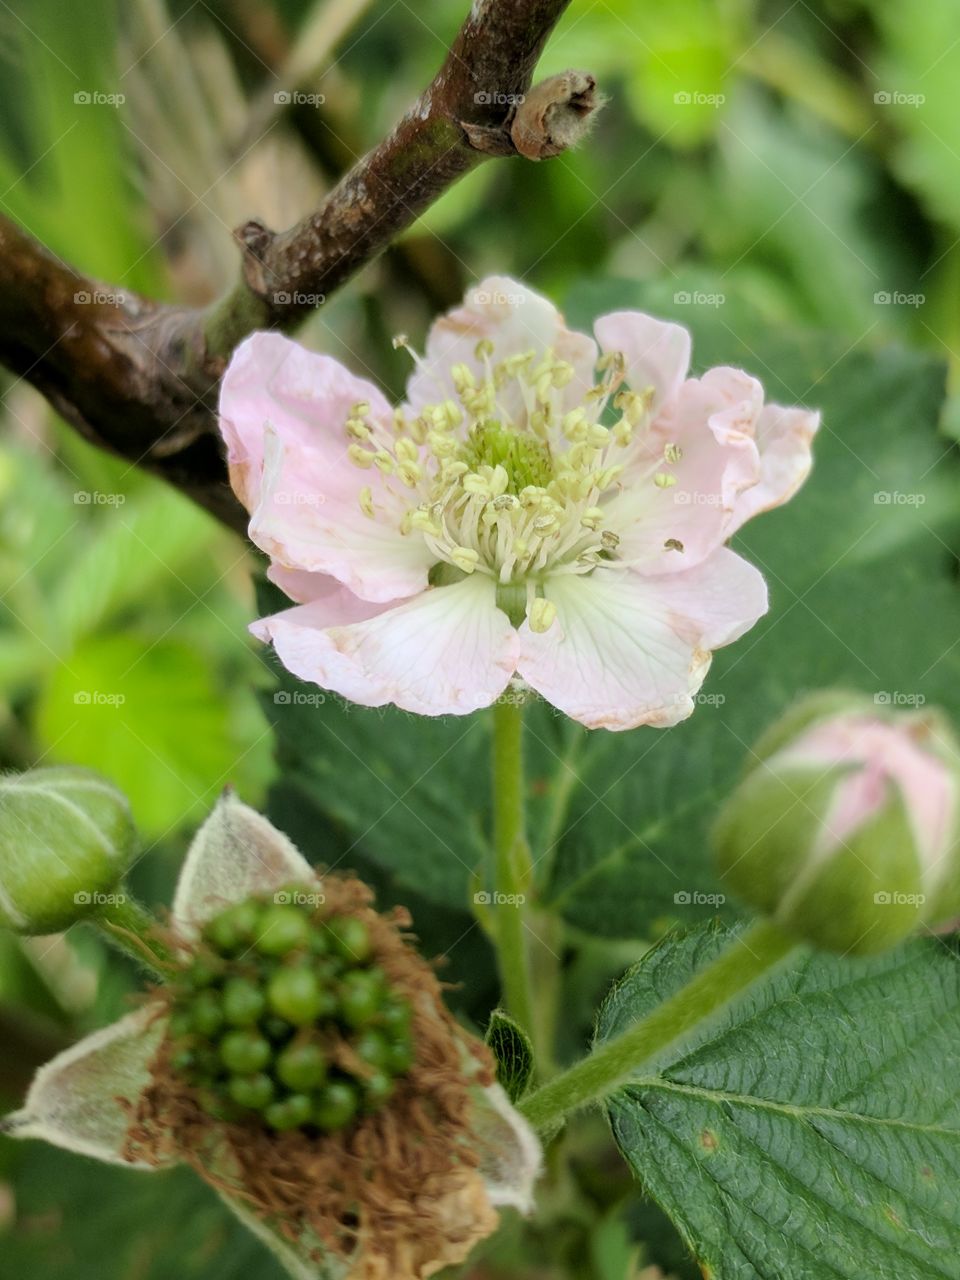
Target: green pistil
x,y
258,1014
525,459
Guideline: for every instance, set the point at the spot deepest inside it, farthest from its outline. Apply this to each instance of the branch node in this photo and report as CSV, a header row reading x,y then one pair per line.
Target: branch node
x,y
255,239
556,115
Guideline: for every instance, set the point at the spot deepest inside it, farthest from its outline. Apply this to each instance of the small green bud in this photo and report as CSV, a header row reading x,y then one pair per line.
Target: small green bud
x,y
207,1014
66,839
846,829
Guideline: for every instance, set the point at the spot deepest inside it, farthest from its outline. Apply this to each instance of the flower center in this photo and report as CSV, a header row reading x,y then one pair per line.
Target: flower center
x,y
504,478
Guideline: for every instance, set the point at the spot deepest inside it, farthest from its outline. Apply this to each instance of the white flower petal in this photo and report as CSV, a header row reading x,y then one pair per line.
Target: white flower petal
x,y
515,319
627,650
236,853
447,651
657,353
73,1100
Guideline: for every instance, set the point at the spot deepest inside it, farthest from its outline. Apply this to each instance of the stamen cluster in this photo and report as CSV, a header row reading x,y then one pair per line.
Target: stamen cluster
x,y
283,1017
502,479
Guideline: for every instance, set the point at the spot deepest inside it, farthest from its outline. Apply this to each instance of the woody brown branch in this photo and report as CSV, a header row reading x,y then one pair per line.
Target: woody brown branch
x,y
140,378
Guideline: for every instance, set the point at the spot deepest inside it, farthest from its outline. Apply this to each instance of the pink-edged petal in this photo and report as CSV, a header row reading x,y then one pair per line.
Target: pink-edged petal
x,y
299,584
447,651
514,319
627,650
657,353
304,396
76,1100
305,521
235,854
713,425
784,439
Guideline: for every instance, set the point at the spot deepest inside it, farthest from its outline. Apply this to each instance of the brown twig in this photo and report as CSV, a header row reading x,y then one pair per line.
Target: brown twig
x,y
140,378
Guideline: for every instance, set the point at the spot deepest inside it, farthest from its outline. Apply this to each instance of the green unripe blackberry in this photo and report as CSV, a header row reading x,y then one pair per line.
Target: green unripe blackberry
x,y
372,1047
207,1014
245,1052
235,928
350,938
377,1088
272,988
243,1002
295,994
292,1112
252,1092
336,1106
283,929
361,997
302,1067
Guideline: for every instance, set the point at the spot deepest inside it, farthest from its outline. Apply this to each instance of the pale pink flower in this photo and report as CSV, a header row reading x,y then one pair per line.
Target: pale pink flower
x,y
492,528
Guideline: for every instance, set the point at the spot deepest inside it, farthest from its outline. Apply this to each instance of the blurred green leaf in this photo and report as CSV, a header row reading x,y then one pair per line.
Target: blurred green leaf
x,y
153,716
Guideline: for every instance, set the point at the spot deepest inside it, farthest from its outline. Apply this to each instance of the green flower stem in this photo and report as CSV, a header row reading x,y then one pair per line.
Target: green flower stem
x,y
611,1065
512,877
131,928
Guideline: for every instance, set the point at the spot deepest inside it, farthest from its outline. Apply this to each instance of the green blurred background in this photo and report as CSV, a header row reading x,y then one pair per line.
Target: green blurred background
x,y
796,162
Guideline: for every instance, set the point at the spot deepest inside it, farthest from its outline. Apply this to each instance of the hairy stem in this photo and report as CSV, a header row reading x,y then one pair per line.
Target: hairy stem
x,y
131,928
611,1065
511,860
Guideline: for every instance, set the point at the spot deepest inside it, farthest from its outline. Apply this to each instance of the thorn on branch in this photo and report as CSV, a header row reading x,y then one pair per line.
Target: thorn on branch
x,y
255,239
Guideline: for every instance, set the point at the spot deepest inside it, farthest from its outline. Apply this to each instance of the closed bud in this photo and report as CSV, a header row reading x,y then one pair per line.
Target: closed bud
x,y
66,839
846,830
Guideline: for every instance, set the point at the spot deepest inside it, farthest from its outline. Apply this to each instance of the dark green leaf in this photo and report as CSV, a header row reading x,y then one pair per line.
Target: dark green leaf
x,y
513,1051
811,1131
